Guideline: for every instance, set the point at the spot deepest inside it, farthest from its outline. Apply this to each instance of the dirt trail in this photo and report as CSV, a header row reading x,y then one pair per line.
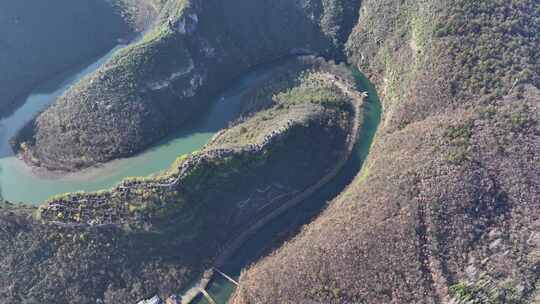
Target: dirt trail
x,y
357,100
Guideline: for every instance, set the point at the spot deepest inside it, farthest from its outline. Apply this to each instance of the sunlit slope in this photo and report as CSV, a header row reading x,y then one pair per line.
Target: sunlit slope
x,y
447,204
195,49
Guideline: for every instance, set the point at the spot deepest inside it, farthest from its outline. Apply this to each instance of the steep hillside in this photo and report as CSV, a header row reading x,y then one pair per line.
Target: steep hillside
x,y
195,49
446,208
39,39
154,235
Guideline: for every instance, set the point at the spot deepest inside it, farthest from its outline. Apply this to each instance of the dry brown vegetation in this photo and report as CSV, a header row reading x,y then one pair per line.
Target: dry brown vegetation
x,y
447,207
154,235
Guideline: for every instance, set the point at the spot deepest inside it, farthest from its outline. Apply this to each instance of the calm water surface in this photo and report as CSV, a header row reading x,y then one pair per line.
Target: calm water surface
x,y
19,184
282,228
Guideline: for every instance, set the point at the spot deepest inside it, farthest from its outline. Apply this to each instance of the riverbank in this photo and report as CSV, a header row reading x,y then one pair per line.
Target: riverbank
x,y
179,219
279,231
445,210
16,176
357,101
157,85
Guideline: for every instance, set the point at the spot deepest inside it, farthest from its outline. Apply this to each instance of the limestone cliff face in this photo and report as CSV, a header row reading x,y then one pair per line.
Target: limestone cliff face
x,y
39,39
153,86
446,209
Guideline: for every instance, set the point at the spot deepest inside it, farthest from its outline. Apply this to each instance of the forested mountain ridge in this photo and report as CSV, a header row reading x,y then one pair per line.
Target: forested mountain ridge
x,y
193,50
444,210
154,235
447,206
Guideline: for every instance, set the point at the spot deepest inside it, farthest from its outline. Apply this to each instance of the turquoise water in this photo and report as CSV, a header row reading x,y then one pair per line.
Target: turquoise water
x,y
18,182
282,228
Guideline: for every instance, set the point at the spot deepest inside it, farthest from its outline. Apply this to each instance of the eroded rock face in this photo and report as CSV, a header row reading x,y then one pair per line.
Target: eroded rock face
x,y
195,49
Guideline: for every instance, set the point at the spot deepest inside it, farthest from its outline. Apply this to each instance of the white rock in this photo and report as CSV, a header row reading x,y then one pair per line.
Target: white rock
x,y
534,239
495,244
153,300
471,272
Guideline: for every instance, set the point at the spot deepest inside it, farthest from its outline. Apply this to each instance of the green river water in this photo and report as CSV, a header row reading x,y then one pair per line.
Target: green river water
x,y
284,227
18,182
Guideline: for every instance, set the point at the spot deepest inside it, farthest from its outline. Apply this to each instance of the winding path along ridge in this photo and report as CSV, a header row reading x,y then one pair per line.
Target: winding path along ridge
x,y
357,100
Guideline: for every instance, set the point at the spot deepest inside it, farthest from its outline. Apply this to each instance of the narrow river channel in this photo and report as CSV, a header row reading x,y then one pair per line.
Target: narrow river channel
x,y
282,228
16,178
